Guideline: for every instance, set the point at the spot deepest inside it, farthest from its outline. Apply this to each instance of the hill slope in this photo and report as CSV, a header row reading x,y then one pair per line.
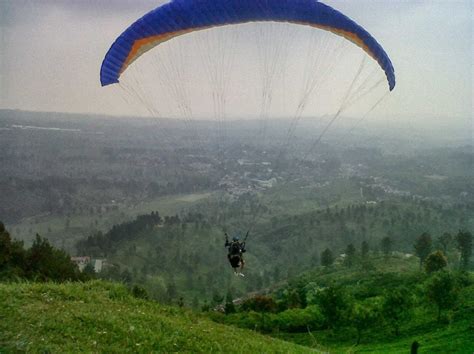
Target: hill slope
x,y
365,288
104,317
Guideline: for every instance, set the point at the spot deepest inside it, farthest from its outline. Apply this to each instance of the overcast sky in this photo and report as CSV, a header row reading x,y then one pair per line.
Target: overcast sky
x,y
51,51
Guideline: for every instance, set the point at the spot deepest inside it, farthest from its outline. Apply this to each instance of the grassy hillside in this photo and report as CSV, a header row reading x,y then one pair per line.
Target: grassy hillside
x,y
104,317
453,333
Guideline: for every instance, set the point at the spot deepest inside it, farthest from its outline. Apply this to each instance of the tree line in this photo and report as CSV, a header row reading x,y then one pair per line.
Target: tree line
x,y
100,244
432,254
40,262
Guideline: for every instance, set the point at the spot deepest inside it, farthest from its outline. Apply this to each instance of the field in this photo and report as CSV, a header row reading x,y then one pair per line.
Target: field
x,y
105,317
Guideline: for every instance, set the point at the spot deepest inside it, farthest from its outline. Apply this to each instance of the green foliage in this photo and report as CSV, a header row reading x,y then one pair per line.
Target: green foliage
x,y
327,258
423,246
367,264
12,256
442,291
229,303
379,304
386,245
363,317
191,246
335,305
445,242
293,297
436,261
364,249
290,320
397,308
217,299
41,261
464,241
171,291
298,320
139,292
259,303
205,307
350,253
101,245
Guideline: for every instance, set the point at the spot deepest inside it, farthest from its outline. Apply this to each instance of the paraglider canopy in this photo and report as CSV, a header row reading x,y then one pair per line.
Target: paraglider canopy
x,y
180,17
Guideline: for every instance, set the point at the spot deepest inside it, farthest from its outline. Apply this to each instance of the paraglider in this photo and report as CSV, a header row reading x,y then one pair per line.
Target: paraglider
x,y
236,249
181,17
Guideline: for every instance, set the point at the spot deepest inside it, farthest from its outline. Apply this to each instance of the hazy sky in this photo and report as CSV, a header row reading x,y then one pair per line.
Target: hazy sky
x,y
51,52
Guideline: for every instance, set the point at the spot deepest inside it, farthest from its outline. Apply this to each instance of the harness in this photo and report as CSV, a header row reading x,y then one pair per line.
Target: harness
x,y
235,248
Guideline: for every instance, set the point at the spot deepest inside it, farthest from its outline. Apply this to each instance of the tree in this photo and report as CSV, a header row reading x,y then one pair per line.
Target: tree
x,y
139,292
386,246
327,258
364,249
350,255
171,291
397,307
435,262
335,305
46,263
217,299
414,347
205,307
363,317
441,290
5,247
367,264
229,303
12,255
444,242
262,304
293,298
423,246
464,243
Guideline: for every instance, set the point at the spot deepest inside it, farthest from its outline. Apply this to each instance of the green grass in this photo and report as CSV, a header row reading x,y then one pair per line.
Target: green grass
x,y
103,317
453,334
433,337
453,339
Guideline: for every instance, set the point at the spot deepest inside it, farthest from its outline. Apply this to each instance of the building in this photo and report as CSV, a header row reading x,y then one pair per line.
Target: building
x,y
83,261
